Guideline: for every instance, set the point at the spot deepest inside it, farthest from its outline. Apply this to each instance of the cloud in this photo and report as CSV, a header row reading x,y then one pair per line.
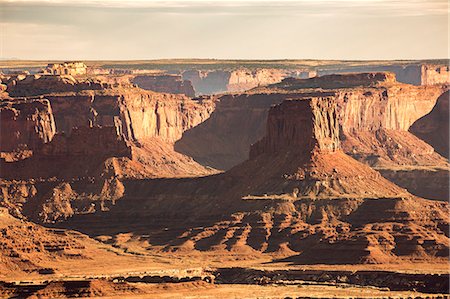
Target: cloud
x,y
344,29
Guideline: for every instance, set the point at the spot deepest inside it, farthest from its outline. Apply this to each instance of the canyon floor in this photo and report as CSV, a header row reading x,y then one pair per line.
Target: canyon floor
x,y
224,179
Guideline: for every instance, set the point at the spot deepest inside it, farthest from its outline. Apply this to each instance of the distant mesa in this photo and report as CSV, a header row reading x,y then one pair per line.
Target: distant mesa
x,y
74,68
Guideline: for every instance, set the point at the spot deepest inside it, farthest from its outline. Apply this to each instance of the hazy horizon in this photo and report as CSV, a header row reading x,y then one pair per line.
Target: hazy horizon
x,y
261,30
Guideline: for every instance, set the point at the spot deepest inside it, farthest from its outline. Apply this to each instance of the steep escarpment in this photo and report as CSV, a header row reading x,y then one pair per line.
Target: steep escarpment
x,y
92,139
305,198
33,85
25,124
373,107
165,83
374,116
140,114
435,74
415,73
434,127
219,81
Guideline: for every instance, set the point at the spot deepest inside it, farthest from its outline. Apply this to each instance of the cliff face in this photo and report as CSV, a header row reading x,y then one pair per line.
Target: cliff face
x,y
223,140
298,195
434,127
217,81
242,80
435,74
373,103
25,124
337,81
165,83
137,113
300,125
33,85
100,142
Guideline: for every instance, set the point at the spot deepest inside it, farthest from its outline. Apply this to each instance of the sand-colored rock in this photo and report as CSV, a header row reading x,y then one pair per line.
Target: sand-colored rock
x,y
434,127
25,124
72,68
165,83
305,198
435,74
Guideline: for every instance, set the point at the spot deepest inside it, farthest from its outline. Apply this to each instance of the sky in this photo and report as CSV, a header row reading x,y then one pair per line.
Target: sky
x,y
232,29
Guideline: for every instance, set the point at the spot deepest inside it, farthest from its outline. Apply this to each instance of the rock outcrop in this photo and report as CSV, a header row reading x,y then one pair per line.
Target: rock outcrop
x,y
25,124
367,104
308,125
305,198
412,73
435,74
139,114
219,81
374,115
434,127
34,85
165,83
73,68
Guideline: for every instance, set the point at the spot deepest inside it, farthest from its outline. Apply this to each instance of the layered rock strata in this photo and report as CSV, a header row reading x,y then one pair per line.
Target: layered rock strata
x,y
25,124
434,127
303,198
165,83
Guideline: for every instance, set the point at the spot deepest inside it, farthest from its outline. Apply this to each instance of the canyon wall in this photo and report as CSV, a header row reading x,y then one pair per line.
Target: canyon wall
x,y
34,85
409,74
373,102
139,114
415,74
302,125
220,81
435,74
25,124
434,127
165,83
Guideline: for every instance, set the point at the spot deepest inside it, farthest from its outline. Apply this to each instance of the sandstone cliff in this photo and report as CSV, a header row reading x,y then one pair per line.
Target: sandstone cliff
x,y
165,83
305,199
374,115
33,85
219,81
140,114
435,74
371,103
434,127
25,124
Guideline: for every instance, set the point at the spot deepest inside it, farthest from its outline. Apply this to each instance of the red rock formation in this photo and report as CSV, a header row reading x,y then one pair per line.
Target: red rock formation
x,y
79,154
87,141
25,124
140,114
435,74
305,198
219,81
242,80
33,85
289,126
165,83
434,127
373,103
337,81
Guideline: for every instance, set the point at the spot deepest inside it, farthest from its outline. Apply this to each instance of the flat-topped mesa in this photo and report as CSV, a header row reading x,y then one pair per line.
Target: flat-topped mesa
x,y
433,128
73,68
300,125
435,74
338,81
165,83
25,124
34,85
102,142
